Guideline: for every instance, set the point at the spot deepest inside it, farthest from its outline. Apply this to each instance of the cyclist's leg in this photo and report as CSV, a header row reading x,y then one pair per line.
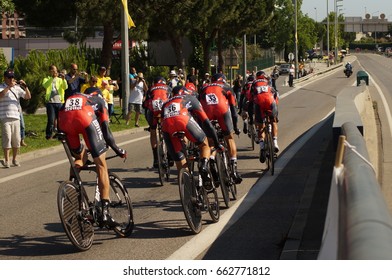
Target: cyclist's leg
x,y
153,136
174,148
97,148
275,126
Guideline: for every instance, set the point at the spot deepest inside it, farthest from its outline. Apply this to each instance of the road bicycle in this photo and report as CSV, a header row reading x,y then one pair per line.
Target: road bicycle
x,y
225,173
195,199
163,159
80,211
269,150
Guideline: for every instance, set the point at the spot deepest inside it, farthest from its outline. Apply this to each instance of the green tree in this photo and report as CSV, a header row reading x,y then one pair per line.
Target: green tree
x,y
7,6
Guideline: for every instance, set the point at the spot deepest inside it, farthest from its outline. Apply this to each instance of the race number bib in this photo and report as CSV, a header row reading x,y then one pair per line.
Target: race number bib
x,y
171,110
73,104
262,89
157,105
211,99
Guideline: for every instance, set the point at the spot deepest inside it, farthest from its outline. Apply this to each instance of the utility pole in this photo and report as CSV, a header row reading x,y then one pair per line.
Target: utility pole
x,y
244,59
124,61
296,39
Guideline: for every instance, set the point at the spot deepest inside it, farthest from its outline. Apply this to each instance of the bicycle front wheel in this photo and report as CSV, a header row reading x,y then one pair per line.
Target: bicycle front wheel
x,y
223,178
120,206
73,210
161,155
212,202
189,200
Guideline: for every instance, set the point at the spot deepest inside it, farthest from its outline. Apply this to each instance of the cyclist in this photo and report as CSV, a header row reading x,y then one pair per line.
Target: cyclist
x,y
246,103
179,114
88,115
265,99
218,101
156,95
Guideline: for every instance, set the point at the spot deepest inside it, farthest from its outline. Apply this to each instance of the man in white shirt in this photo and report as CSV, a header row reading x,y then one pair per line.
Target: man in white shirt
x,y
10,111
138,89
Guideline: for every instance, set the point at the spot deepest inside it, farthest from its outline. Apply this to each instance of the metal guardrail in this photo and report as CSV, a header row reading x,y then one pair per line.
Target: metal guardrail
x,y
358,224
365,224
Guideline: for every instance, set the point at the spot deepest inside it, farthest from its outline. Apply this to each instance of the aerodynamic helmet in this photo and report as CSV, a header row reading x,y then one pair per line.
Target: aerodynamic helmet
x,y
218,77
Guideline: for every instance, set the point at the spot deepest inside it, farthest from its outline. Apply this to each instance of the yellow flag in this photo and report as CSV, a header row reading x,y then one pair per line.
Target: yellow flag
x,y
130,21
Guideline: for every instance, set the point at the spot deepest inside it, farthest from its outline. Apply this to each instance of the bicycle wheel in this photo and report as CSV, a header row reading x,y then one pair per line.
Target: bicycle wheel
x,y
166,161
212,202
223,178
189,200
160,154
252,136
270,157
73,216
231,184
120,206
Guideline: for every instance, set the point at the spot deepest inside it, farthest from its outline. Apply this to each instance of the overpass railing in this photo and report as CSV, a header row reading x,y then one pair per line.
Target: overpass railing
x,y
358,224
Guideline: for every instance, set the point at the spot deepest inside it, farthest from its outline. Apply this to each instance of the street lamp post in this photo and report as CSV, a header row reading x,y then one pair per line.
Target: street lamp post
x,y
336,30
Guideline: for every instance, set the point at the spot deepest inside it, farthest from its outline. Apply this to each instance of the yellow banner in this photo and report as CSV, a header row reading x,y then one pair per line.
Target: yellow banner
x,y
130,21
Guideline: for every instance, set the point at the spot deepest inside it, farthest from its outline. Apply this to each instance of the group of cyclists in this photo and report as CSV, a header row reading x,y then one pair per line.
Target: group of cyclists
x,y
178,109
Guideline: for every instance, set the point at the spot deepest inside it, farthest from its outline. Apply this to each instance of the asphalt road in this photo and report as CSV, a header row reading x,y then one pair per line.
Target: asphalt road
x,y
268,213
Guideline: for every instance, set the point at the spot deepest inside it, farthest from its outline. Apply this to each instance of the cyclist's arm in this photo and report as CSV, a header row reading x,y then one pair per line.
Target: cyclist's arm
x,y
109,139
234,117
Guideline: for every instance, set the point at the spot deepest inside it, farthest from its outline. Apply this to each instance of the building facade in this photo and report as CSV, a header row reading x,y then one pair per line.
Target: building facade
x,y
12,26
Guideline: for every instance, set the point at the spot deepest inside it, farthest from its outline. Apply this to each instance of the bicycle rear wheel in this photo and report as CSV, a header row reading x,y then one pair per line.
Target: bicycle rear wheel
x,y
270,154
73,215
120,206
223,178
252,136
189,200
161,155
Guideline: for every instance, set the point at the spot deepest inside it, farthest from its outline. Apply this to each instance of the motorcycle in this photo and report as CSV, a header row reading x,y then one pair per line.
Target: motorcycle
x,y
348,72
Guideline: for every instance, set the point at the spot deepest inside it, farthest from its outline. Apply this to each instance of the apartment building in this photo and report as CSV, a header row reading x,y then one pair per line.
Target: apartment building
x,y
12,26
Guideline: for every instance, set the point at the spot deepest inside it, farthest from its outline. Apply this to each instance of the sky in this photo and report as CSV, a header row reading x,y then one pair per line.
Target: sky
x,y
350,8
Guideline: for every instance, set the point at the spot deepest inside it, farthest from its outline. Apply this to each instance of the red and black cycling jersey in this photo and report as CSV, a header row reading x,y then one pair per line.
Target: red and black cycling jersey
x,y
180,109
156,96
217,97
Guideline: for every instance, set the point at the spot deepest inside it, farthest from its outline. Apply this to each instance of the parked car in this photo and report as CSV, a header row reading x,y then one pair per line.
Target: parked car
x,y
284,68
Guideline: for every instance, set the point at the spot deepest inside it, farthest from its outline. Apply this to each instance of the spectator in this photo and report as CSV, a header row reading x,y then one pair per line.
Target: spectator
x,y
291,75
75,80
173,79
138,89
92,86
10,112
274,77
55,86
206,79
132,73
107,96
102,76
237,87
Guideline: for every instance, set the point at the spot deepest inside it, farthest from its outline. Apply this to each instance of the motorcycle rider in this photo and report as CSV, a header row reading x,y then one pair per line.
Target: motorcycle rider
x,y
348,67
